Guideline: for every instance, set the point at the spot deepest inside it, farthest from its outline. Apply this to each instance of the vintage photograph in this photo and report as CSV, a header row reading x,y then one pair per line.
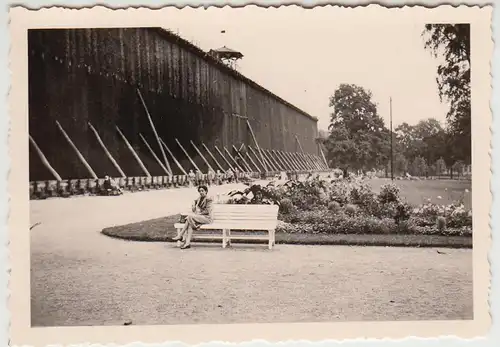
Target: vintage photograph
x,y
202,169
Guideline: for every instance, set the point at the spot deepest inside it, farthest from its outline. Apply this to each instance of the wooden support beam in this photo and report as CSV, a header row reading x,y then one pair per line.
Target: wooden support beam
x,y
80,156
187,155
266,162
314,165
276,160
213,157
253,162
311,165
269,161
309,161
136,156
44,160
317,161
301,161
154,155
154,131
323,156
256,143
320,162
286,160
103,146
248,167
257,157
223,157
202,157
300,146
234,161
173,157
275,156
285,163
305,155
294,161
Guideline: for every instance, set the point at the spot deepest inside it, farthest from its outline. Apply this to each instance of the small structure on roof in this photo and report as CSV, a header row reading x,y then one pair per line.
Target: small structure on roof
x,y
226,55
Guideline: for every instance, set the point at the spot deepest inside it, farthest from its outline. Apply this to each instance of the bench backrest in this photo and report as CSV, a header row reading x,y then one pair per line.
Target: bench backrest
x,y
264,216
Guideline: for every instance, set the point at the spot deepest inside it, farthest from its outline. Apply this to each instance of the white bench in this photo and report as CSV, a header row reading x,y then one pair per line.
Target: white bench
x,y
228,217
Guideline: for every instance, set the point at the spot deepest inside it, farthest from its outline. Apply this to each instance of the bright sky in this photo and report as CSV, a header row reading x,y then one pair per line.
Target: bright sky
x,y
303,55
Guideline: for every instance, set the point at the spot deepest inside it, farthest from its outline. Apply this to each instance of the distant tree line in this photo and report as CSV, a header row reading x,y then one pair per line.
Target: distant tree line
x,y
357,138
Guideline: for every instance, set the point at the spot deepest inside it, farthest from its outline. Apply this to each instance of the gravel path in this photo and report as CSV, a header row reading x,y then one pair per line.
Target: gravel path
x,y
80,277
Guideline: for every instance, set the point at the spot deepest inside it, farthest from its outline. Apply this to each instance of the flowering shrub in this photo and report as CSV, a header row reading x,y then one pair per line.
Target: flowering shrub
x,y
388,193
350,209
455,214
286,205
254,194
333,206
441,223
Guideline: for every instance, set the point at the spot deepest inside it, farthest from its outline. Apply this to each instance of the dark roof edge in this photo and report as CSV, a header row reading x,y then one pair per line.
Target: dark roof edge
x,y
204,55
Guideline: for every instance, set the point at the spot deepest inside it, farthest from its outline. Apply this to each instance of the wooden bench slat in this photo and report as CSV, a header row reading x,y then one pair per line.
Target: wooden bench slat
x,y
217,226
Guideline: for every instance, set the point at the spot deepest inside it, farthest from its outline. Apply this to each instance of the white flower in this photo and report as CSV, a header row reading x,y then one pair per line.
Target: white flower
x,y
439,197
429,199
466,190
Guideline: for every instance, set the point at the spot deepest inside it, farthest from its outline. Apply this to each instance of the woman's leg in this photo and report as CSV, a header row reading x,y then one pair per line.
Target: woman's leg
x,y
192,222
182,233
189,231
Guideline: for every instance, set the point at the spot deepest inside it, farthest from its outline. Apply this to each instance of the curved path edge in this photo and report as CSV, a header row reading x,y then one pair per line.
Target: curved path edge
x,y
330,240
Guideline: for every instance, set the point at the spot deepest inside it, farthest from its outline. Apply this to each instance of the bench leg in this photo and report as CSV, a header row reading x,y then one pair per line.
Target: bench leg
x,y
228,237
271,239
224,238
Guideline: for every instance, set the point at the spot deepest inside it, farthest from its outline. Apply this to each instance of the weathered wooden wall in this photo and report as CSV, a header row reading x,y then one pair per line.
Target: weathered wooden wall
x,y
78,76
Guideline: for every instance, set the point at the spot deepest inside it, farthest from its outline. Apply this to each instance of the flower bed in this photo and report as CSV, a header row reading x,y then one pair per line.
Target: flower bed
x,y
351,207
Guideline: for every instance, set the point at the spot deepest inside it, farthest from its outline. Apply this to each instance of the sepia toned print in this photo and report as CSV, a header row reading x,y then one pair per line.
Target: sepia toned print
x,y
186,171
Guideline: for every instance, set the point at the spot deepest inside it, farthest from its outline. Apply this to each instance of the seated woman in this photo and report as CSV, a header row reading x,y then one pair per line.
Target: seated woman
x,y
202,214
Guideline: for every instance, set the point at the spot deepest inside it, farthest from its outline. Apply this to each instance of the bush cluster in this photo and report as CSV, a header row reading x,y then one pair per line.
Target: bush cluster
x,y
352,207
344,224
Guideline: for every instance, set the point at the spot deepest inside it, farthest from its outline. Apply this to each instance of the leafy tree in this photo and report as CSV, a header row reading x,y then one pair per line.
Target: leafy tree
x,y
358,138
400,164
458,167
452,42
440,166
427,139
419,167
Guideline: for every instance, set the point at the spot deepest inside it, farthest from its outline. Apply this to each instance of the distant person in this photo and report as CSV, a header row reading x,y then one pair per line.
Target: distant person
x,y
219,177
110,187
229,175
236,172
191,177
199,177
211,176
202,214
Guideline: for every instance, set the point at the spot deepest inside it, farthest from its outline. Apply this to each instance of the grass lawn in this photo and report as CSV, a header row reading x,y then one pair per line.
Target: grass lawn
x,y
417,192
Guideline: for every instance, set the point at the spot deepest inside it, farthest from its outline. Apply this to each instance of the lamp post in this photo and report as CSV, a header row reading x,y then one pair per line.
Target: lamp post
x,y
392,151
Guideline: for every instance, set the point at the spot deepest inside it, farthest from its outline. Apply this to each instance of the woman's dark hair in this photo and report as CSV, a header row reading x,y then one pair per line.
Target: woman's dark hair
x,y
204,187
